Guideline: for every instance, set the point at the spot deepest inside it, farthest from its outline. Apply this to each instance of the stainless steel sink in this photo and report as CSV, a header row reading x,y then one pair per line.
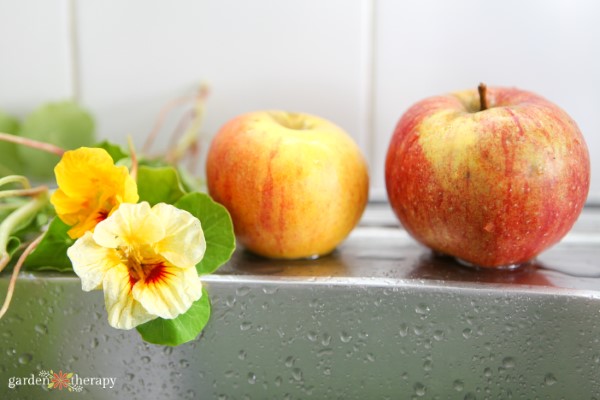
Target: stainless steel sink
x,y
381,318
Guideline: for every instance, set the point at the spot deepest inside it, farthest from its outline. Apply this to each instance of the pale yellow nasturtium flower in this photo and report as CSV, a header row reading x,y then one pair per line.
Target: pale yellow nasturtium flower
x,y
90,188
145,261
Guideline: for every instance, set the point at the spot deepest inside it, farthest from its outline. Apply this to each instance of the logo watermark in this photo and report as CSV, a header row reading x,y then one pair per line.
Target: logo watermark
x,y
60,380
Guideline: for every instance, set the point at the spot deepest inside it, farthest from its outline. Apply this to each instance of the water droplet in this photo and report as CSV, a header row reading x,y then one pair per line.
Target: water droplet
x,y
422,309
95,342
487,372
508,362
251,378
458,385
270,289
327,371
467,333
326,339
370,357
184,363
312,336
470,396
230,301
438,335
146,360
403,330
167,350
549,380
25,358
229,373
427,365
41,329
289,362
242,355
327,351
297,374
244,326
345,337
278,381
420,389
242,291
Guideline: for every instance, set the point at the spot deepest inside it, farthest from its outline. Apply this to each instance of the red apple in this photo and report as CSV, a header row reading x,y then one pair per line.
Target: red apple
x,y
492,182
294,184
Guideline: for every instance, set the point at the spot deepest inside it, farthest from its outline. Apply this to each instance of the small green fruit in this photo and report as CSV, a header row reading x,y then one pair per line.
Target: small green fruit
x,y
10,162
64,124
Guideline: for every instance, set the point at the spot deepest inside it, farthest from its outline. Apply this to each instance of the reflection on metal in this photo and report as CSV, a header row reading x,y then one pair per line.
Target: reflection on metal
x,y
380,317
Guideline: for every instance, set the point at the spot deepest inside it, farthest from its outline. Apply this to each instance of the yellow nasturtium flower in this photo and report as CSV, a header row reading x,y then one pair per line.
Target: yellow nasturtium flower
x,y
145,261
90,188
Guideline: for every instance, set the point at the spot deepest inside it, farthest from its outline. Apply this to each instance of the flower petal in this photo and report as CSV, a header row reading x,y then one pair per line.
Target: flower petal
x,y
91,262
130,224
124,312
82,162
184,243
169,291
89,185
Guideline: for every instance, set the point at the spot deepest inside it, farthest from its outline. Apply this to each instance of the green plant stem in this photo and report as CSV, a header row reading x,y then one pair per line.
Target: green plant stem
x,y
35,144
13,278
14,219
15,179
22,192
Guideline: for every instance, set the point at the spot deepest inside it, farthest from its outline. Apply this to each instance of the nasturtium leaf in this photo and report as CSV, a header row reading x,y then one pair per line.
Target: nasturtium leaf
x,y
190,183
51,253
186,327
10,163
13,245
114,150
159,185
217,226
64,124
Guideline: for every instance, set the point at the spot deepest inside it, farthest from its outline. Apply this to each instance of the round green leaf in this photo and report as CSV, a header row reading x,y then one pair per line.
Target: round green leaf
x,y
64,124
114,150
10,163
51,253
217,226
159,185
186,327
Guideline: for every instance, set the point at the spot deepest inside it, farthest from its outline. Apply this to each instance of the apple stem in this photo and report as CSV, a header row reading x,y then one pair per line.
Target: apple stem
x,y
483,105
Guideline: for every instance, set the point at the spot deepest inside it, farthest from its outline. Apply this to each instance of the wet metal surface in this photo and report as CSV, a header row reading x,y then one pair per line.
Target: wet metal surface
x,y
381,317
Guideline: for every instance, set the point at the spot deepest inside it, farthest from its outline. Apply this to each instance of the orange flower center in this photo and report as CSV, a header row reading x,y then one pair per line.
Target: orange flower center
x,y
144,264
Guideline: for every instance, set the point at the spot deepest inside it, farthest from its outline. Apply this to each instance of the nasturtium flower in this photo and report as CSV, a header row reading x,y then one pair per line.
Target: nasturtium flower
x,y
145,261
90,188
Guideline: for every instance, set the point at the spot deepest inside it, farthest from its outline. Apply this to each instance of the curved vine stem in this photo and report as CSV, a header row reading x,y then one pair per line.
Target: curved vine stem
x,y
34,144
15,274
12,221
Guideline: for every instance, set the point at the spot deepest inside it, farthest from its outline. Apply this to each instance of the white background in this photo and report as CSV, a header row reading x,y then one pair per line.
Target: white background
x,y
359,63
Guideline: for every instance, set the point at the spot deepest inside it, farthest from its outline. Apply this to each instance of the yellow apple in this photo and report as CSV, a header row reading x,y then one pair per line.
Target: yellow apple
x,y
294,184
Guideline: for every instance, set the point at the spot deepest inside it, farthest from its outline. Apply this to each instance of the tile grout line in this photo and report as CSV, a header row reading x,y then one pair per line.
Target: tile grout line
x,y
368,85
73,45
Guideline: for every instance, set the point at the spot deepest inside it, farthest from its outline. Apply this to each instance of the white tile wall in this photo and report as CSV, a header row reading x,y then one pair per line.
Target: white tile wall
x,y
260,54
360,63
35,63
430,47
